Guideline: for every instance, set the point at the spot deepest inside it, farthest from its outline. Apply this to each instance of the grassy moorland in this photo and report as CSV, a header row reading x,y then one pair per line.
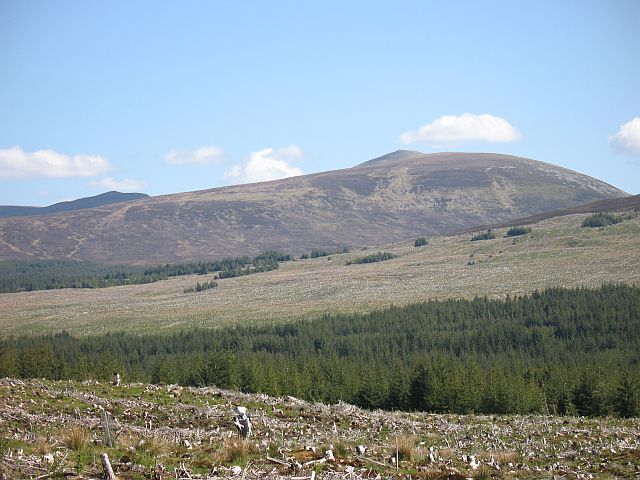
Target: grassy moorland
x,y
60,429
558,252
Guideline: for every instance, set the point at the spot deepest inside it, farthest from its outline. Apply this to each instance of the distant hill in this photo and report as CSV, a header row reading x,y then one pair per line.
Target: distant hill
x,y
70,206
609,205
384,200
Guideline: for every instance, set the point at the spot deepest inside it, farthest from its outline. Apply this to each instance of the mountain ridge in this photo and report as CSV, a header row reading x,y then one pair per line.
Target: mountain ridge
x,y
105,198
387,199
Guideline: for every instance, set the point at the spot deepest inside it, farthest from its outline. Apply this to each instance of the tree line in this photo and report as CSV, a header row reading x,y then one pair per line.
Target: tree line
x,y
560,351
24,276
373,258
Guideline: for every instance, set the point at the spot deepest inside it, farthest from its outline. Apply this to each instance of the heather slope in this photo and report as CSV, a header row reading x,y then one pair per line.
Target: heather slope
x,y
384,200
72,205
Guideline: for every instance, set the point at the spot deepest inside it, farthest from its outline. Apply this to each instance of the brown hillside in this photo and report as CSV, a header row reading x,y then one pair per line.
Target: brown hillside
x,y
608,205
384,200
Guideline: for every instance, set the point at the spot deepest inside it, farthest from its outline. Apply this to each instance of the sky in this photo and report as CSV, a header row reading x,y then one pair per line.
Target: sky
x,y
164,97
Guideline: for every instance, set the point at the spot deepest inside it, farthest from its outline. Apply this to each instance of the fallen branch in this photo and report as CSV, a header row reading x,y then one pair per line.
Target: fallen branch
x,y
57,474
314,462
366,459
281,462
106,464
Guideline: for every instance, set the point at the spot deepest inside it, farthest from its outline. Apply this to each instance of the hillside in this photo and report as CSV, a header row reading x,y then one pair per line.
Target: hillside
x,y
558,252
174,432
383,200
70,206
632,202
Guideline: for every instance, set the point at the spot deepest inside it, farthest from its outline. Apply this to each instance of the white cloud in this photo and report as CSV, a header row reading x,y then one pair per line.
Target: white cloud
x,y
450,130
16,163
267,164
627,140
199,157
292,152
124,185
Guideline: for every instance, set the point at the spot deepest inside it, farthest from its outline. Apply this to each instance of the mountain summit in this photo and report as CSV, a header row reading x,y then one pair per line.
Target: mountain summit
x,y
71,205
386,199
394,157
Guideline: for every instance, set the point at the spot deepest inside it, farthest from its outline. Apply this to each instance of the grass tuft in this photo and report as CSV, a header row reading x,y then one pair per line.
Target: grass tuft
x,y
234,451
76,439
406,447
483,473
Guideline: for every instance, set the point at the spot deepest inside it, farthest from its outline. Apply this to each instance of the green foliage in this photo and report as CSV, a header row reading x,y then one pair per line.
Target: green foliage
x,y
317,253
626,397
488,235
517,231
214,368
201,287
374,257
420,242
561,351
52,274
601,219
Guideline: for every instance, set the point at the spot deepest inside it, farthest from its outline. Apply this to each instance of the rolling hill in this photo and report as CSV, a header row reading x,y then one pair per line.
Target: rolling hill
x,y
70,206
386,199
557,253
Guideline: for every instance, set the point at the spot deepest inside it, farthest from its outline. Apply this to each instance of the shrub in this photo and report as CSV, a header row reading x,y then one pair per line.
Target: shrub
x,y
150,449
517,231
601,219
406,445
376,257
234,451
317,252
201,287
76,439
420,242
488,235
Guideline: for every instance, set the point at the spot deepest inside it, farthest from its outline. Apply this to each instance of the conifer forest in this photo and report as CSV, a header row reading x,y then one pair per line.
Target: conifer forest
x,y
558,351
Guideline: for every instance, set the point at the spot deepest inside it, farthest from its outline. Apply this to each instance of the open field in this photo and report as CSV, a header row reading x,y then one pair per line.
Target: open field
x,y
558,252
59,429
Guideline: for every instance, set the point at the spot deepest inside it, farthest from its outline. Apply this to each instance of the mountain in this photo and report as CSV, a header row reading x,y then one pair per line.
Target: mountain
x,y
79,204
386,199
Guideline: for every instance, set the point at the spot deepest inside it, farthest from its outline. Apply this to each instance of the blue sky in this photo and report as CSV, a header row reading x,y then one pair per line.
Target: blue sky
x,y
164,97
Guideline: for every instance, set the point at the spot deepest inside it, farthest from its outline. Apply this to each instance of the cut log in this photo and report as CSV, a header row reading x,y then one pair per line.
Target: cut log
x,y
106,464
281,462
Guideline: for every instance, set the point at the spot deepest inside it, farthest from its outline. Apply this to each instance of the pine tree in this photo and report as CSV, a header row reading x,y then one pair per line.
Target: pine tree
x,y
627,398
